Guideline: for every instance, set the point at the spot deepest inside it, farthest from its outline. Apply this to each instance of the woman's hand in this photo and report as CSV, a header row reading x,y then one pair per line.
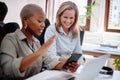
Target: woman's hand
x,y
26,61
72,67
43,49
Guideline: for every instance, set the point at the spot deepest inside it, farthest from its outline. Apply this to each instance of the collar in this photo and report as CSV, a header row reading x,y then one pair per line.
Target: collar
x,y
63,33
21,35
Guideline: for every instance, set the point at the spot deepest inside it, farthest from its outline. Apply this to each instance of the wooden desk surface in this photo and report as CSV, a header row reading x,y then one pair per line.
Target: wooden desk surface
x,y
96,50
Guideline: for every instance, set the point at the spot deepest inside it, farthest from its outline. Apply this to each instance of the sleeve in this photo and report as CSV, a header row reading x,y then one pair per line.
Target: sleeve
x,y
9,61
50,63
52,52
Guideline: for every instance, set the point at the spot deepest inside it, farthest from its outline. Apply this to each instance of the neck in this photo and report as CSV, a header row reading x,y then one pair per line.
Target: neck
x,y
27,34
66,30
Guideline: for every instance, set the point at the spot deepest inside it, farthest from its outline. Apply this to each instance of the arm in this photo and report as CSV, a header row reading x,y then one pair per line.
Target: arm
x,y
26,61
63,59
52,51
8,54
13,64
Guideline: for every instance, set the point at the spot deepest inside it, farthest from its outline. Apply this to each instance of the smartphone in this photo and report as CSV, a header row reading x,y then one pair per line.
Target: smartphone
x,y
73,58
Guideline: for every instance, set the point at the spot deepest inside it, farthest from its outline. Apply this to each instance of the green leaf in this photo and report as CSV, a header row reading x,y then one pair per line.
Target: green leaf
x,y
116,63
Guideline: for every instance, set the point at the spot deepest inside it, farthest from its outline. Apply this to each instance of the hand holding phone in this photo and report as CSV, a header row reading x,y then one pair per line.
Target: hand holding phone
x,y
74,58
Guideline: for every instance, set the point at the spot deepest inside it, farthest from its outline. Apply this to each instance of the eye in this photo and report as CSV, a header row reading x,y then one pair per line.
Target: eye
x,y
65,17
39,21
71,17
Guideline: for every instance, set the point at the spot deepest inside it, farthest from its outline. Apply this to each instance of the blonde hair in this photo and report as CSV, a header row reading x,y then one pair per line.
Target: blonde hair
x,y
68,5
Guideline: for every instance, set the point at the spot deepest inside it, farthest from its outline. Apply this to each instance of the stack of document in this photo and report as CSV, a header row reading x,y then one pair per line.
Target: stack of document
x,y
52,75
108,49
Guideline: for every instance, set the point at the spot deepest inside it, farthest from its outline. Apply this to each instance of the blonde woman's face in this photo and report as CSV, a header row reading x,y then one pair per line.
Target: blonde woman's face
x,y
67,19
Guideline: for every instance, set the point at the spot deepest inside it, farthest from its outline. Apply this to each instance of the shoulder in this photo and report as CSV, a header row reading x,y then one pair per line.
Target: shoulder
x,y
10,37
51,28
13,36
8,41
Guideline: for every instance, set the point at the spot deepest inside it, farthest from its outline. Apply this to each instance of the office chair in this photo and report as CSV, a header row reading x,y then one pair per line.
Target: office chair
x,y
2,33
41,37
11,27
81,36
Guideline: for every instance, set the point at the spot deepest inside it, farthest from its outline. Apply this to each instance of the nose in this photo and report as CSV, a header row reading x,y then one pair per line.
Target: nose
x,y
68,20
43,24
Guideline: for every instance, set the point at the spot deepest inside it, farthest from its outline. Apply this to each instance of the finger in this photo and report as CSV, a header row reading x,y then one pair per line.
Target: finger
x,y
44,48
50,40
71,69
74,65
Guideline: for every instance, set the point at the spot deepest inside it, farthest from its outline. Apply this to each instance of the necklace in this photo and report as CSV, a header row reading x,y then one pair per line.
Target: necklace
x,y
31,45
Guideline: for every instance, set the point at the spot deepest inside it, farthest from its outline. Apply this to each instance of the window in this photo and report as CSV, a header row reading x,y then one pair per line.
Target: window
x,y
53,5
112,16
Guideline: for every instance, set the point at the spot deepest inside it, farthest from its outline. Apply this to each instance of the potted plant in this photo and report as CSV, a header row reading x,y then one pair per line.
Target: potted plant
x,y
82,19
116,63
116,73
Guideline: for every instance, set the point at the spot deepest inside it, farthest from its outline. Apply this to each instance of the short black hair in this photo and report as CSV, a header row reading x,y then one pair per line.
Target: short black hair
x,y
3,10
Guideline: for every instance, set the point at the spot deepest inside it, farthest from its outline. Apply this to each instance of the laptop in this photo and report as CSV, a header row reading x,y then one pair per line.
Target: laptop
x,y
91,69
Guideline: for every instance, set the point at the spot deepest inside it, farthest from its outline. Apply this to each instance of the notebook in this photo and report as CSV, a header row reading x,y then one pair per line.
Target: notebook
x,y
91,69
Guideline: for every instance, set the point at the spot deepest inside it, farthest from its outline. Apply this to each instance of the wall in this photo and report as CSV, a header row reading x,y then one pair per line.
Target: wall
x,y
96,35
15,6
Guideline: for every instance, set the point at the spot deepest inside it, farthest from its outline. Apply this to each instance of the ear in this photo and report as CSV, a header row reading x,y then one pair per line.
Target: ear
x,y
25,21
25,18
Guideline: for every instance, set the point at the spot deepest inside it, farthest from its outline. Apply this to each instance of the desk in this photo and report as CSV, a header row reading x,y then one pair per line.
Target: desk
x,y
58,75
84,72
96,50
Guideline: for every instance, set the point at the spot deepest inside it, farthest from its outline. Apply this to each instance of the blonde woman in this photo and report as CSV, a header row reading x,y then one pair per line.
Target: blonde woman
x,y
67,39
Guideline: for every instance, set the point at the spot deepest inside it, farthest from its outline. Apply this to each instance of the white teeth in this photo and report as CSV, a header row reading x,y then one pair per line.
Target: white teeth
x,y
67,24
41,30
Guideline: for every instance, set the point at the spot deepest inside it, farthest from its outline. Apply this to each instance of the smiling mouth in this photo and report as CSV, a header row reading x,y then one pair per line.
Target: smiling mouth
x,y
41,30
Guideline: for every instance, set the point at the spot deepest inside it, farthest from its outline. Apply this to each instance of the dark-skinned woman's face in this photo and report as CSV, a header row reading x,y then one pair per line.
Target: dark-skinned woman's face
x,y
35,23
